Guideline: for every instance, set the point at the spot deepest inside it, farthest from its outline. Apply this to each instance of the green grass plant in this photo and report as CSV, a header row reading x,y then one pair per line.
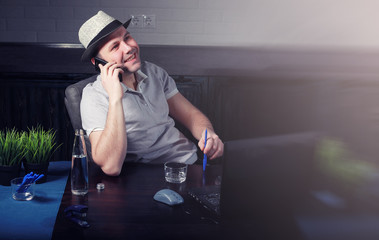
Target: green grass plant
x,y
40,145
12,149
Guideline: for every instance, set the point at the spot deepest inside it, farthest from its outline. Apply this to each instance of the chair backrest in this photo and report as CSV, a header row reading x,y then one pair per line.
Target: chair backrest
x,y
73,96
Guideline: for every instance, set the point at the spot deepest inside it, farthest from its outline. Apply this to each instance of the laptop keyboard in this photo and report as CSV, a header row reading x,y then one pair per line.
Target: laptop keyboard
x,y
209,197
213,199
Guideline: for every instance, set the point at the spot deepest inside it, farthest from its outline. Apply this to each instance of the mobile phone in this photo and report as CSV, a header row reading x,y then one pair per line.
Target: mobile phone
x,y
103,62
99,61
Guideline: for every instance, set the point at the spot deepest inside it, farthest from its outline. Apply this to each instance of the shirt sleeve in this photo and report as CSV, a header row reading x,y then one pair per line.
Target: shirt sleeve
x,y
93,110
169,85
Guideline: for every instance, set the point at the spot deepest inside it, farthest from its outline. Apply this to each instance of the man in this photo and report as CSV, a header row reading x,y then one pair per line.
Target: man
x,y
131,120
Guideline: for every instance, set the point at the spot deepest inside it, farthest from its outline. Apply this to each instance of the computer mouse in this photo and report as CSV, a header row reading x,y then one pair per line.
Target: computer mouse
x,y
168,197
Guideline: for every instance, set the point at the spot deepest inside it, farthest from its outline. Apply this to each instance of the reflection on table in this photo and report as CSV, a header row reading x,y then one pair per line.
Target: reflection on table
x,y
125,209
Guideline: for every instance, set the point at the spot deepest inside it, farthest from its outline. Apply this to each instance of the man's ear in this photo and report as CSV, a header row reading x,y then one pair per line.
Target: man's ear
x,y
93,61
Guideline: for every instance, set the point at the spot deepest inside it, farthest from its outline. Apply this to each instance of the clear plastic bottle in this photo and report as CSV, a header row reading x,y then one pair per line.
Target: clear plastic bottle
x,y
79,165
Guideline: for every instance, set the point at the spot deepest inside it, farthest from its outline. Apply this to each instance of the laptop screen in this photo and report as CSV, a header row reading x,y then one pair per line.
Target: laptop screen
x,y
264,178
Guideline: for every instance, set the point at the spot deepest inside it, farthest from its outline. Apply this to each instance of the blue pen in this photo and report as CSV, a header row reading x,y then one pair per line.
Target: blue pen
x,y
205,156
28,179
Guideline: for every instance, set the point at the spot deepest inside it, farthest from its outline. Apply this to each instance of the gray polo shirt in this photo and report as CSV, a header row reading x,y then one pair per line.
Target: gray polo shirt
x,y
152,137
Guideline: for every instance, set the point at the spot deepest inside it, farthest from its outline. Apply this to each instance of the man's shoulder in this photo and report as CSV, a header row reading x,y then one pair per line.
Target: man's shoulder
x,y
92,84
93,88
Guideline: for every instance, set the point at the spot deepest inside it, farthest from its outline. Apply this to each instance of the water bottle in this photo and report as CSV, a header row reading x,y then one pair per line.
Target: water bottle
x,y
79,165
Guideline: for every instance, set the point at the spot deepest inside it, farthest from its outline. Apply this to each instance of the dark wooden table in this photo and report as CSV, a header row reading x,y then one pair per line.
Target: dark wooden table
x,y
125,209
307,203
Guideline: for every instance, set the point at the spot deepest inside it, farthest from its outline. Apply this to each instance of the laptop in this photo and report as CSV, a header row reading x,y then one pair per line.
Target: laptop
x,y
275,188
261,176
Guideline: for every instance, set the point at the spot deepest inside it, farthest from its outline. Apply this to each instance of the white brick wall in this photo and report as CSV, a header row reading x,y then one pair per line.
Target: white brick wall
x,y
269,23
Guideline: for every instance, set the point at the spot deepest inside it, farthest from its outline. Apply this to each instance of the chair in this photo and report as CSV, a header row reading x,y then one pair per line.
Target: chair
x,y
73,96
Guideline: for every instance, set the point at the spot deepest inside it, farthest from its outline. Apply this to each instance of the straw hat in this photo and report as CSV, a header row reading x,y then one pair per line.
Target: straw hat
x,y
96,29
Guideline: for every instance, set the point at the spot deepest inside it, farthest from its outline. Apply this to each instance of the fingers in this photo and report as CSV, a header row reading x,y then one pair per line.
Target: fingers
x,y
110,80
214,147
110,70
201,144
202,141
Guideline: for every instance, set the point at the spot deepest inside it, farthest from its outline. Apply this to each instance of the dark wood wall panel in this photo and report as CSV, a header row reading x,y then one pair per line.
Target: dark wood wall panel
x,y
253,106
27,102
195,89
245,92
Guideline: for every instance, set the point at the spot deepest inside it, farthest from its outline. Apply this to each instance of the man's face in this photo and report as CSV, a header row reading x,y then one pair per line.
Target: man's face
x,y
122,49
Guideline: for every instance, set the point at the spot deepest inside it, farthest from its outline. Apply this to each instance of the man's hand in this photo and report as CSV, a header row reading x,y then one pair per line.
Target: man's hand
x,y
214,147
109,79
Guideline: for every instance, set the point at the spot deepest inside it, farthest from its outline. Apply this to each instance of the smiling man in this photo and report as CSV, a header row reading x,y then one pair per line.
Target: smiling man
x,y
130,118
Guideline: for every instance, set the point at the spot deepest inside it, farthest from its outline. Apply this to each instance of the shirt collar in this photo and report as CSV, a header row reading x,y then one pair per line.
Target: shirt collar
x,y
140,76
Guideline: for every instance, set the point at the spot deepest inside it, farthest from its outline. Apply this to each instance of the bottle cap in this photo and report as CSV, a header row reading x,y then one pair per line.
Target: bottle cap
x,y
100,186
79,132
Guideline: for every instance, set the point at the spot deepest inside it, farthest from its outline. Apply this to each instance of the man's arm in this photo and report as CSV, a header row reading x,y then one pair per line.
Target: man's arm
x,y
109,145
193,119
